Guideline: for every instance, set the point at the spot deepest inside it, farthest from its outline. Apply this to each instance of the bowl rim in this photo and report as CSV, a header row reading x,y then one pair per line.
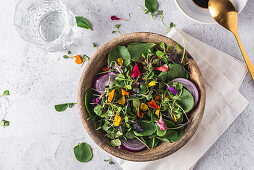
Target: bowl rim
x,y
135,156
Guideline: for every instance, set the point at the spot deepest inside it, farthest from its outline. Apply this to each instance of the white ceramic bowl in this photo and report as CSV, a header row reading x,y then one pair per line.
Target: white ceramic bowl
x,y
202,15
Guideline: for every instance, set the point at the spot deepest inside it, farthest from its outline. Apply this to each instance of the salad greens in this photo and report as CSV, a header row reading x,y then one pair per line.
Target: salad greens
x,y
63,107
136,100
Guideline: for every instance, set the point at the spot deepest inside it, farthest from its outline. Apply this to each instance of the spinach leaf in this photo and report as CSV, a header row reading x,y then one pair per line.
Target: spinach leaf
x,y
151,5
87,100
137,49
83,152
175,71
171,135
149,129
119,52
186,100
115,142
83,23
61,107
150,142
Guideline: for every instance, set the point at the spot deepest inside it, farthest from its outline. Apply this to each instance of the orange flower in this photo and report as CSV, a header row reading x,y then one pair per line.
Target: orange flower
x,y
158,97
111,95
78,59
152,104
125,93
105,68
117,120
121,101
140,114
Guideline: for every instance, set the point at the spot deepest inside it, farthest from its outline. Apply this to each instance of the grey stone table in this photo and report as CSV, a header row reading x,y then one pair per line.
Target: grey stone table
x,y
40,138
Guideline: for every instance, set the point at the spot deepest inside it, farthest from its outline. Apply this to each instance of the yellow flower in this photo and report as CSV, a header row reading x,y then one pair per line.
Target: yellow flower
x,y
152,83
111,95
125,93
120,61
117,120
140,114
175,118
143,107
121,101
157,112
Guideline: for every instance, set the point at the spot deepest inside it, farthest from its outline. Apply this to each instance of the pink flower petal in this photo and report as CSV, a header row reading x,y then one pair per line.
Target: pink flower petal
x,y
161,124
117,18
118,68
163,68
135,71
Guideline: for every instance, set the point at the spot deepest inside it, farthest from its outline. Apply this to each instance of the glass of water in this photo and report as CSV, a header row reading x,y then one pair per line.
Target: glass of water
x,y
46,23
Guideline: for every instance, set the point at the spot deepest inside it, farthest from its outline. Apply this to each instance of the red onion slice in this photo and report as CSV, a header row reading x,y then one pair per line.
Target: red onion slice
x,y
190,86
132,145
103,80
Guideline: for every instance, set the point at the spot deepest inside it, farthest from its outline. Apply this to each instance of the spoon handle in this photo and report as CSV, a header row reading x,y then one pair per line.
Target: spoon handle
x,y
245,56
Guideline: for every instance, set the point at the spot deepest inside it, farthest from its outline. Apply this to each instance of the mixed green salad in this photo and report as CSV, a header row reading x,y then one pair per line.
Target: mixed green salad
x,y
143,96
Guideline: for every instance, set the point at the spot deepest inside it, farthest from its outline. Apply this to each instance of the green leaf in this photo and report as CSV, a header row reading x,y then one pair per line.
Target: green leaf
x,y
130,135
118,134
119,52
186,100
87,100
117,26
151,5
5,123
137,49
61,107
150,75
85,58
175,71
136,103
94,45
83,152
70,105
160,53
162,45
129,87
114,32
65,56
115,142
160,12
83,23
172,25
149,129
5,93
98,110
171,135
159,131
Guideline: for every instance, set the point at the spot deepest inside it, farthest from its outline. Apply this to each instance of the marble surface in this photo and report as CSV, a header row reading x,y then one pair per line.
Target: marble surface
x,y
41,138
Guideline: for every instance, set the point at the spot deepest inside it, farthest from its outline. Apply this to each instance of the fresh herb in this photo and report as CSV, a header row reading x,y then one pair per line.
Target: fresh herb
x,y
78,58
63,107
151,6
83,23
117,26
109,161
83,152
69,52
94,45
66,56
5,93
5,123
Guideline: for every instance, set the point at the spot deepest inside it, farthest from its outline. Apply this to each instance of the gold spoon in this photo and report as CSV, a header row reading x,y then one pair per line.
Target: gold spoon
x,y
224,12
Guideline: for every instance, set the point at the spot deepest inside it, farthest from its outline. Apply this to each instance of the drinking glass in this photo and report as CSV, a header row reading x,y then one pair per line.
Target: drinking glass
x,y
46,23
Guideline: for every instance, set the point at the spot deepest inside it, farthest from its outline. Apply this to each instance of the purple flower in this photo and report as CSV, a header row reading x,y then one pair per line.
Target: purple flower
x,y
161,124
173,90
95,101
118,68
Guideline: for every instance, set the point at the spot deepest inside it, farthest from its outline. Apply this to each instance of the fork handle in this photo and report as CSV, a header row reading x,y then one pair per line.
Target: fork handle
x,y
245,56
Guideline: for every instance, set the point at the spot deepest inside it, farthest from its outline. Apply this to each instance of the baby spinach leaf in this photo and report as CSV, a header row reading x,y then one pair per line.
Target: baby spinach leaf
x,y
171,135
119,52
186,100
115,142
87,100
162,45
137,49
130,135
61,107
83,152
83,23
151,5
176,71
149,129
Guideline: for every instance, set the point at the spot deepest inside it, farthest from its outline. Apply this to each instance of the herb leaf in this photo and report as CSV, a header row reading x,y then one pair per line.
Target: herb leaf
x,y
5,93
83,152
115,142
5,123
151,5
83,23
117,26
186,100
61,107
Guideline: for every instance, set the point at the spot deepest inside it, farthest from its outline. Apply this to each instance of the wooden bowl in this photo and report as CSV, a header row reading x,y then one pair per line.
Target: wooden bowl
x,y
90,72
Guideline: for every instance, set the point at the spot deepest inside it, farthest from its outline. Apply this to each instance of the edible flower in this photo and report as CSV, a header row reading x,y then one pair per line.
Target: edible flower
x,y
117,18
125,93
175,118
135,71
143,107
117,120
120,61
111,95
78,59
157,112
163,68
152,104
105,68
121,101
118,68
173,90
161,124
140,114
158,97
152,83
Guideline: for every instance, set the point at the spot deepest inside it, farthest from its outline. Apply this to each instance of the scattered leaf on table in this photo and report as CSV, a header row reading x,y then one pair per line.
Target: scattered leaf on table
x,y
151,5
83,23
83,152
5,123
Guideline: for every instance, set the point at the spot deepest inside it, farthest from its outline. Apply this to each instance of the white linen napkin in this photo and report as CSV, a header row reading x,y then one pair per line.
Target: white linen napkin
x,y
223,76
